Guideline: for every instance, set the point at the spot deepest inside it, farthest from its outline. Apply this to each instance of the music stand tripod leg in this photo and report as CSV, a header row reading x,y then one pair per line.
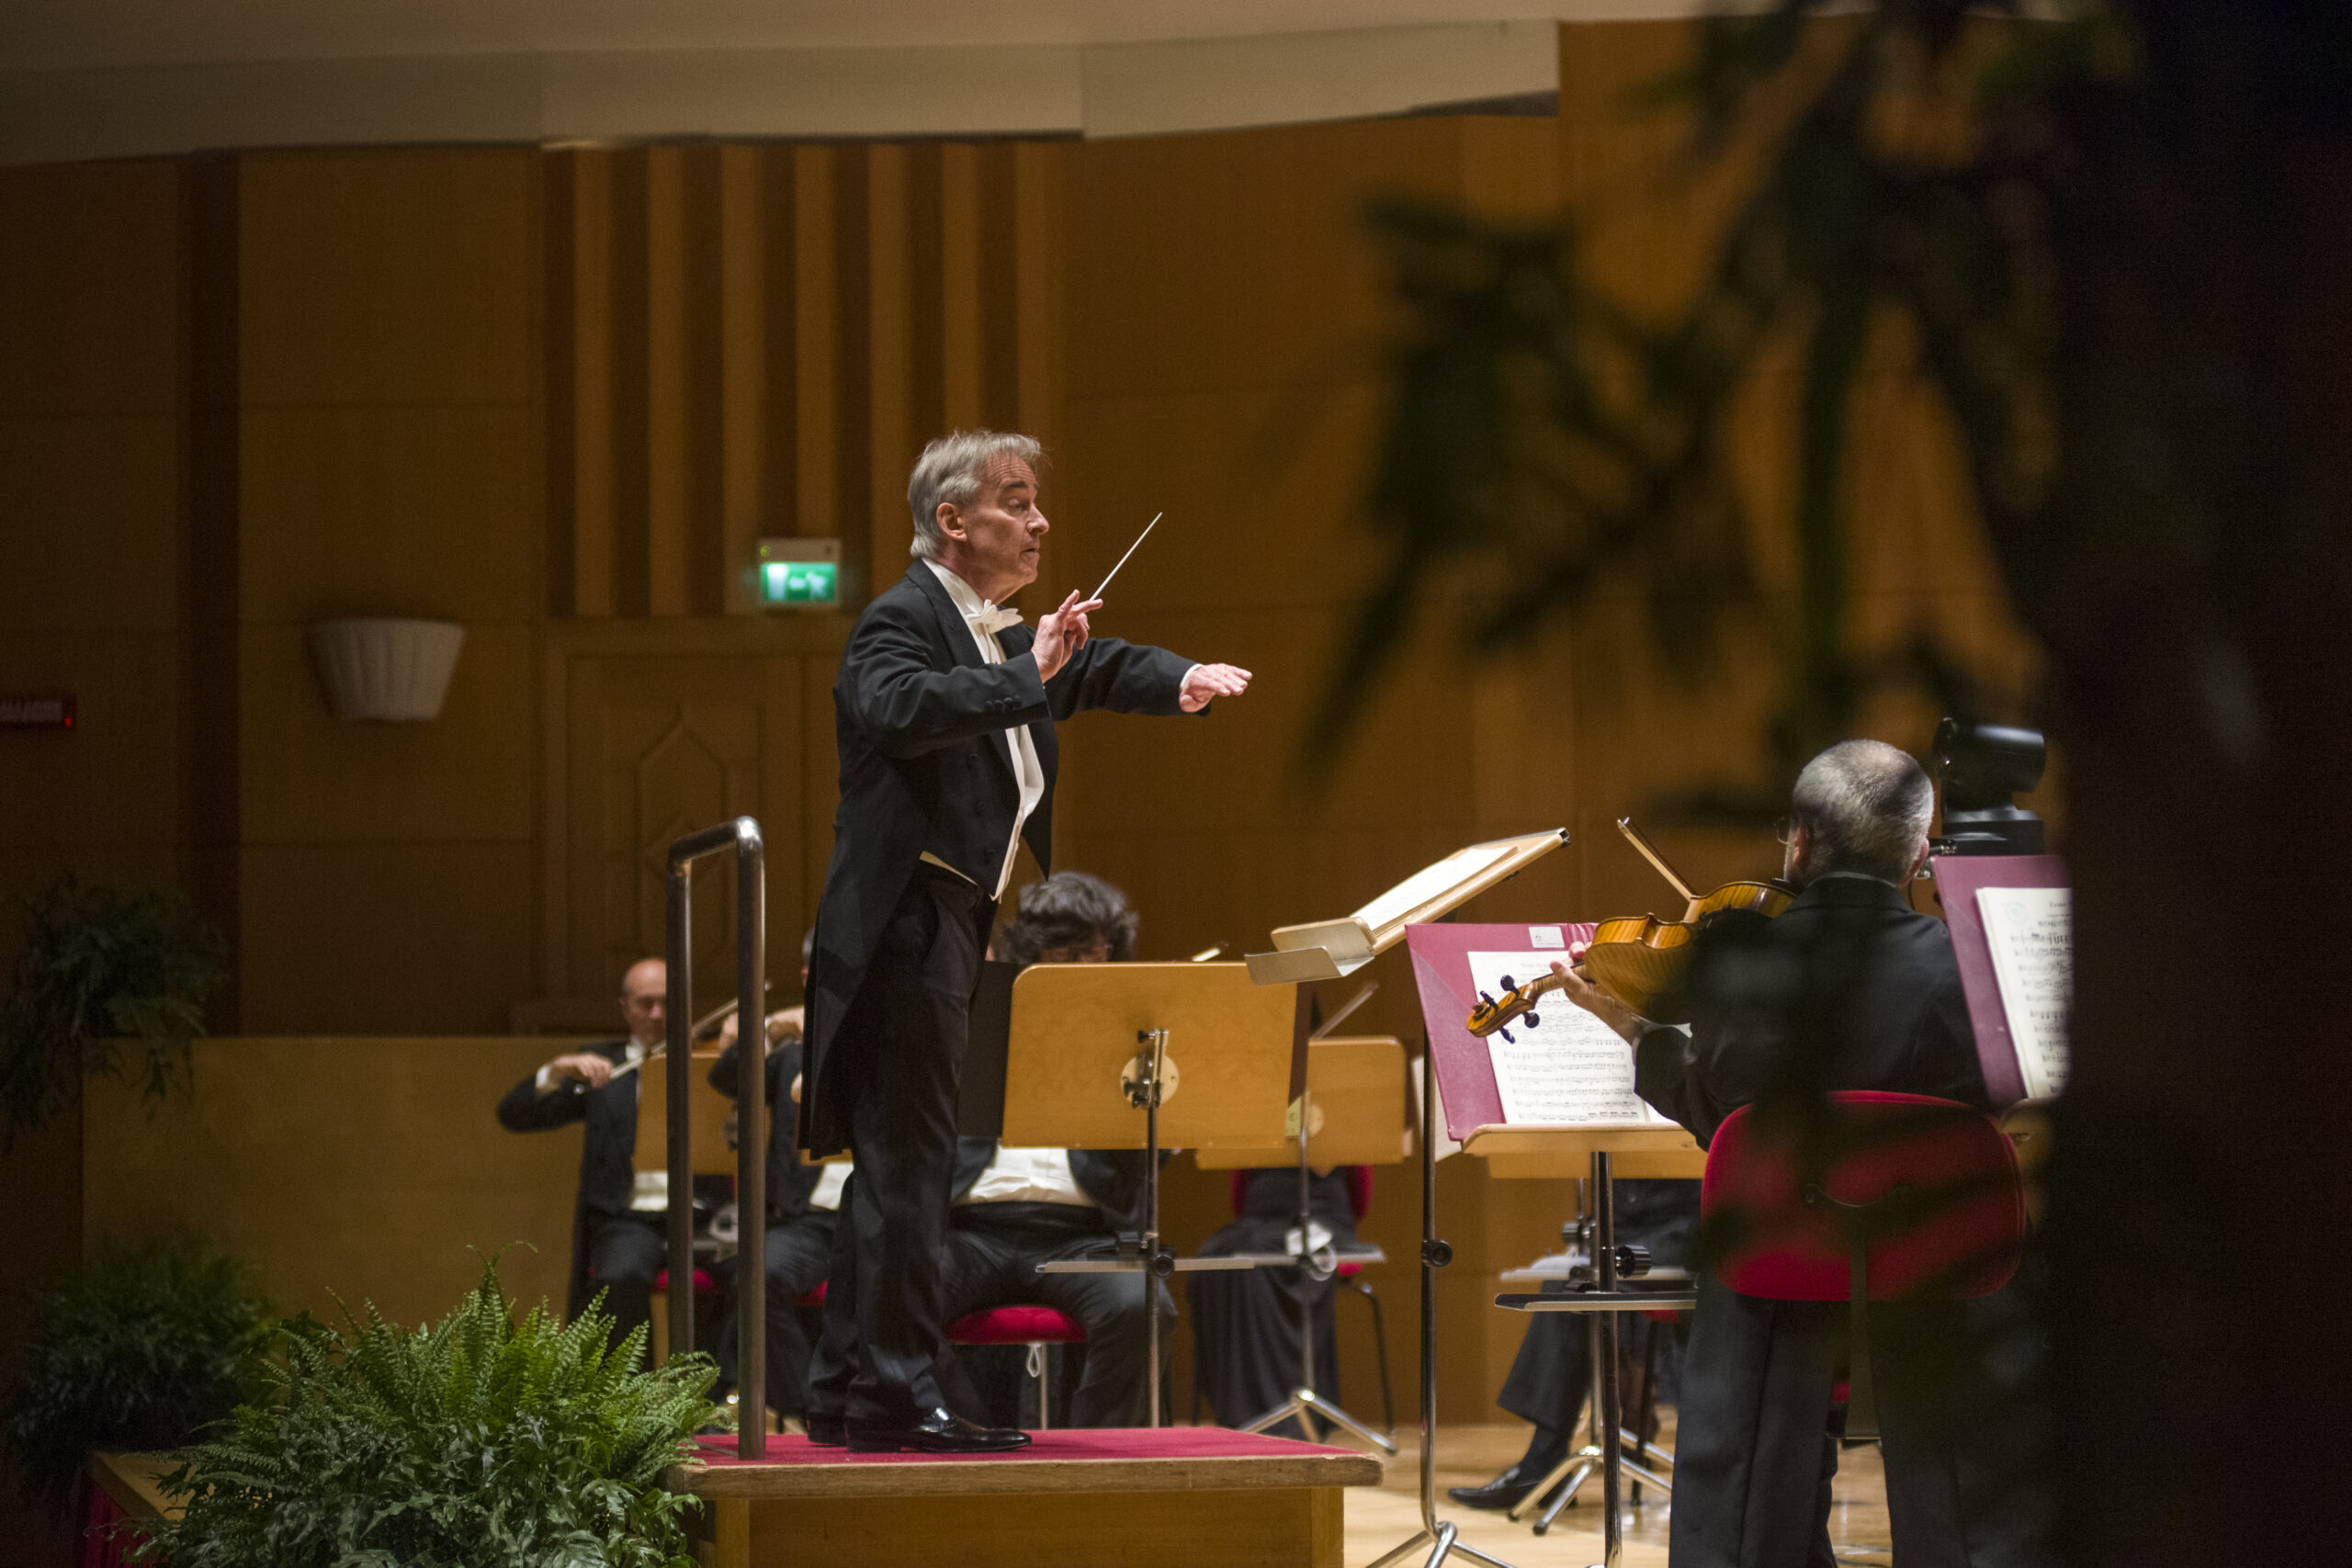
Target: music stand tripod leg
x,y
1305,1401
1435,1254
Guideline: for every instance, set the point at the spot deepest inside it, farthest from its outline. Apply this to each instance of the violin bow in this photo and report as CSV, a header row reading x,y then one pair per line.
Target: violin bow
x,y
704,1028
1640,841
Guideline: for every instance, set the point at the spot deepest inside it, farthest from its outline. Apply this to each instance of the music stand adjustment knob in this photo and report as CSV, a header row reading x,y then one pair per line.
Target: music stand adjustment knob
x,y
1437,1254
1632,1261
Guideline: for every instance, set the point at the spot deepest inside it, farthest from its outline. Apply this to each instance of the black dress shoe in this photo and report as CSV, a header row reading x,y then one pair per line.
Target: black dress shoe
x,y
935,1432
1504,1491
827,1432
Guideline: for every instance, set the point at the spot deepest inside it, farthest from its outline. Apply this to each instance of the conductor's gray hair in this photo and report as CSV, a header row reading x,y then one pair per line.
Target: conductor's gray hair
x,y
950,470
1867,806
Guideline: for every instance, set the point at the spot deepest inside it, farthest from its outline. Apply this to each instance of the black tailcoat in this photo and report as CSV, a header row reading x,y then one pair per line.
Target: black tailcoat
x,y
1850,988
919,720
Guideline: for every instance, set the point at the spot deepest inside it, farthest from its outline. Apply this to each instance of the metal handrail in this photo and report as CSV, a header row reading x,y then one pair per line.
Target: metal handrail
x,y
743,836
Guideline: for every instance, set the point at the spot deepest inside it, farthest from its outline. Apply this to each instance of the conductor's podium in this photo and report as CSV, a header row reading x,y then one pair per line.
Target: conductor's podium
x,y
1203,1496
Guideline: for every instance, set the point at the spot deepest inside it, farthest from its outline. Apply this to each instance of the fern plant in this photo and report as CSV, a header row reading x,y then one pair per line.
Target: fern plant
x,y
100,966
485,1439
140,1351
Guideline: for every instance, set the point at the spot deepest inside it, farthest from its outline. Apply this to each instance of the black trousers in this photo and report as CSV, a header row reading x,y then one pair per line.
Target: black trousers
x,y
800,1252
993,1250
898,1051
1755,1448
624,1251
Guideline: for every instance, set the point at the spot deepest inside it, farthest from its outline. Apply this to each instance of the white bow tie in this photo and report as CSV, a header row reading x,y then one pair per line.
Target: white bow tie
x,y
992,619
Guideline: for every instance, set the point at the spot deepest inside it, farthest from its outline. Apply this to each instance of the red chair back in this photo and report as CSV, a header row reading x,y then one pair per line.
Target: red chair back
x,y
1949,1162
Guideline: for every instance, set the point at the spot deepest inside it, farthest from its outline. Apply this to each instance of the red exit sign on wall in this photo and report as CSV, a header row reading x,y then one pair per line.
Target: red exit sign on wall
x,y
37,710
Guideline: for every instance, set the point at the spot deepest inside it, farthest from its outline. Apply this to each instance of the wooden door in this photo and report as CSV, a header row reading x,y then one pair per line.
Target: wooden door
x,y
660,730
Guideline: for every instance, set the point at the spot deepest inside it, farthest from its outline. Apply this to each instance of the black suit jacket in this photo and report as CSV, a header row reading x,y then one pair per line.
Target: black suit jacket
x,y
1850,988
919,720
1113,1177
606,1152
791,1181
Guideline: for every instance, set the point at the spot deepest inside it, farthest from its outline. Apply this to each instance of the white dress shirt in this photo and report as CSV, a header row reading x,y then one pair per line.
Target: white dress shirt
x,y
1028,1176
1030,772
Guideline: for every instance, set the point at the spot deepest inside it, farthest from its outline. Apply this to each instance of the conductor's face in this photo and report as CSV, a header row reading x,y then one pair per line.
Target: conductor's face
x,y
993,542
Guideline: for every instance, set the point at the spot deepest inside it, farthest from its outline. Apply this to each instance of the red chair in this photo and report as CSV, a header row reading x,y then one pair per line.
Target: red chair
x,y
1893,1196
659,1344
1033,1326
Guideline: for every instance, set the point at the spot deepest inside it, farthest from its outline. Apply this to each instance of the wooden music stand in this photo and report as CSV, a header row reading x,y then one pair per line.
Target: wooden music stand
x,y
1358,1112
711,1151
1133,1055
1473,1105
1353,1113
1328,950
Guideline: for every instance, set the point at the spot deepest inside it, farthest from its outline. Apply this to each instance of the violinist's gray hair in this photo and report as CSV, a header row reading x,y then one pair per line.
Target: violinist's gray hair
x,y
950,470
1867,806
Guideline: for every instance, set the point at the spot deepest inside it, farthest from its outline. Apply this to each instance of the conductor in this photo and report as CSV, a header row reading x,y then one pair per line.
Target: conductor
x,y
945,714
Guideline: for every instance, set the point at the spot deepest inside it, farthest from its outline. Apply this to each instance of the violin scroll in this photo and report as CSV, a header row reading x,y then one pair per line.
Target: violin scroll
x,y
1517,1003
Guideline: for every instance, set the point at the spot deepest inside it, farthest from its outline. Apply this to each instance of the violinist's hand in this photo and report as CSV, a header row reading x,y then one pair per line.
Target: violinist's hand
x,y
1203,683
1061,634
1600,1003
585,1067
785,1024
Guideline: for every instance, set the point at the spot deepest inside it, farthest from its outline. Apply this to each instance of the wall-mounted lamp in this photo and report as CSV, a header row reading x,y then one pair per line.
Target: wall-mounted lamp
x,y
387,671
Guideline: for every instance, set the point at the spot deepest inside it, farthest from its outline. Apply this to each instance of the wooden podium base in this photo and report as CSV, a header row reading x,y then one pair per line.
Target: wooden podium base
x,y
1200,1495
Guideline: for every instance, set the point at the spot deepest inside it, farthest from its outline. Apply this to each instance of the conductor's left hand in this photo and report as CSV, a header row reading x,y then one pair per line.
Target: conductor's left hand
x,y
1203,683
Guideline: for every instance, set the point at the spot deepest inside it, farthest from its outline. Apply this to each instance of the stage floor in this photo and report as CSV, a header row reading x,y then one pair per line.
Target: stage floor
x,y
1379,1517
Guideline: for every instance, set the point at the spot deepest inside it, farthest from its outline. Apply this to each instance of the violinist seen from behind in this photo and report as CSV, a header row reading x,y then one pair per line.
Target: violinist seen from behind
x,y
1849,989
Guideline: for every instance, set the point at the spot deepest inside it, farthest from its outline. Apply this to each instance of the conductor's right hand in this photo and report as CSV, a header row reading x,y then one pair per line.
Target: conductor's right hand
x,y
586,1067
1061,634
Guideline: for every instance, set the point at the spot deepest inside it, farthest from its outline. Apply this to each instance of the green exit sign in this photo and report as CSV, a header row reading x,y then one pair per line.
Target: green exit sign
x,y
801,574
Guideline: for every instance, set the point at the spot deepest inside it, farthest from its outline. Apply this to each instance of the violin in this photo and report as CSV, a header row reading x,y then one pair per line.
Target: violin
x,y
1637,959
707,1028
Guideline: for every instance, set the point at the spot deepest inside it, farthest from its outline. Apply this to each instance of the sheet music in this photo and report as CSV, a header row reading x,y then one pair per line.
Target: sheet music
x,y
1571,1069
2031,932
1428,883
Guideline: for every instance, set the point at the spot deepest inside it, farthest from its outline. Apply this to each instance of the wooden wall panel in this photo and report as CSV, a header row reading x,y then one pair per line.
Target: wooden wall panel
x,y
89,599
370,1170
389,359
864,297
92,353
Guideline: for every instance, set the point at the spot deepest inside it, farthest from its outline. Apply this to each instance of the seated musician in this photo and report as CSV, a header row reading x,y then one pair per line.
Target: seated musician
x,y
1016,1208
804,1200
1850,988
618,1222
1552,1374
